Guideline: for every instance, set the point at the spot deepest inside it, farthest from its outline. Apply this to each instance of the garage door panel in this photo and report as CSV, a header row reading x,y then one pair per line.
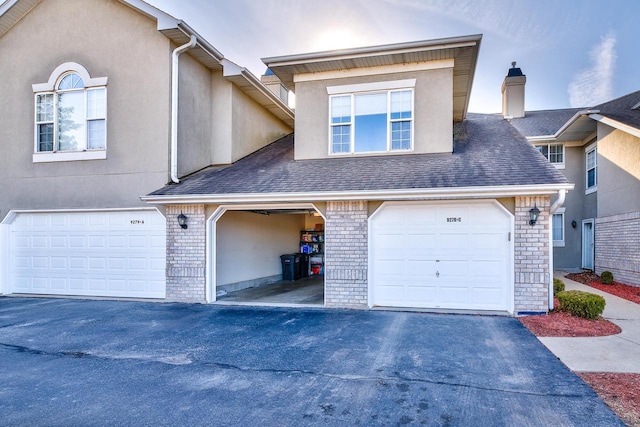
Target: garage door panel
x,y
455,255
119,253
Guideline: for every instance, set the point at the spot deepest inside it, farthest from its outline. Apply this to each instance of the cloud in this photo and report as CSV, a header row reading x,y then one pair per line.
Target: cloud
x,y
595,84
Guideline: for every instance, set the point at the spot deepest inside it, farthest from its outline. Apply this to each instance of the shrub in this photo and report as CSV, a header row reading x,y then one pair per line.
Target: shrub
x,y
606,277
581,304
558,286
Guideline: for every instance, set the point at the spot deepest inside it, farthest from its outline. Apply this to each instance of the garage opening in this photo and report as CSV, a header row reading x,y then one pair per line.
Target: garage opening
x,y
268,256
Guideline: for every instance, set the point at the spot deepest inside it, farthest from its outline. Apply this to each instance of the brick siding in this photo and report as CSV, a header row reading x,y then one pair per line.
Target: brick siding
x,y
346,254
531,256
617,247
186,256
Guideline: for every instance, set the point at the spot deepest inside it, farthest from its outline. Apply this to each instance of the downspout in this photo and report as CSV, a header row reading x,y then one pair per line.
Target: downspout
x,y
554,207
174,105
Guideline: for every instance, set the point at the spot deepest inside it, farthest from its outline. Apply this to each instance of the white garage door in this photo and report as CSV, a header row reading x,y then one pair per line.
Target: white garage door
x,y
106,253
441,255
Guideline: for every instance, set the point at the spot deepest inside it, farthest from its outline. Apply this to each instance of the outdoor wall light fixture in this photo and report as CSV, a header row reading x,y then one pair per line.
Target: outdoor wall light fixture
x,y
182,220
533,215
574,223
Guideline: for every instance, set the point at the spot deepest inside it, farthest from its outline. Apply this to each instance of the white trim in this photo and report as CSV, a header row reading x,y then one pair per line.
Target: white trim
x,y
66,68
404,194
616,124
368,87
68,156
511,267
211,242
559,243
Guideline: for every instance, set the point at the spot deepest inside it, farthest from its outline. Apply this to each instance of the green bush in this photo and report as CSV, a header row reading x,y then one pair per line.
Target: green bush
x,y
606,277
581,304
558,286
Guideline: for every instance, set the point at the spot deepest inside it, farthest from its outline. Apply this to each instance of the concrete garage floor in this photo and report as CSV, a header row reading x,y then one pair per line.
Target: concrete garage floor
x,y
83,362
307,291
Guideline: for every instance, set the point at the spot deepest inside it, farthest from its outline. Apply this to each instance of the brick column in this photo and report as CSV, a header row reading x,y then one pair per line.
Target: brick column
x,y
346,254
617,240
186,254
531,257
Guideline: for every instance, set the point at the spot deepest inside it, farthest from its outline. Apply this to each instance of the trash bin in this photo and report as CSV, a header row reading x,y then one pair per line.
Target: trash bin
x,y
290,266
304,265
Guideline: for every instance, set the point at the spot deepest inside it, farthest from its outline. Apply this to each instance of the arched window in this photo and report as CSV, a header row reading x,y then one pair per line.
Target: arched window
x,y
70,114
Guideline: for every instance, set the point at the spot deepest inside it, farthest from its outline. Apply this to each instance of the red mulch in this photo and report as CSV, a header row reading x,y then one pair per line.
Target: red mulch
x,y
630,293
621,392
563,324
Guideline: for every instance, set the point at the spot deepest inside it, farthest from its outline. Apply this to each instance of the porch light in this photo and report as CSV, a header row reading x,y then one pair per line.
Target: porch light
x,y
182,220
533,215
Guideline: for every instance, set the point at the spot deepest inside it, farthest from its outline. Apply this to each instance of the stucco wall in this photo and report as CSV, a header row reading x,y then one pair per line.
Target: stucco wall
x,y
249,245
618,172
433,112
98,35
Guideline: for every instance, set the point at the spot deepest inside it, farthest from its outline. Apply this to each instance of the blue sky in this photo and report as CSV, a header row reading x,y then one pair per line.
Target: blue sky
x,y
575,53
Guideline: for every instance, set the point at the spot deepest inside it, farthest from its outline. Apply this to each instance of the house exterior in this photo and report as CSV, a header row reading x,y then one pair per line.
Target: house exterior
x,y
177,191
598,149
90,124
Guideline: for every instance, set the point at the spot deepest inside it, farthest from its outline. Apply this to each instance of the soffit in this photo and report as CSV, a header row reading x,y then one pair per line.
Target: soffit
x,y
463,50
12,11
579,130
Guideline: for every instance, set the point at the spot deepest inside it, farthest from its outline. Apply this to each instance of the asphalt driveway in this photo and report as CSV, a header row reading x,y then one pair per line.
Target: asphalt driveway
x,y
80,362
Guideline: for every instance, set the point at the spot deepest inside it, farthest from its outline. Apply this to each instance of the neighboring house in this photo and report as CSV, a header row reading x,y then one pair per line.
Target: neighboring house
x,y
89,126
598,149
421,204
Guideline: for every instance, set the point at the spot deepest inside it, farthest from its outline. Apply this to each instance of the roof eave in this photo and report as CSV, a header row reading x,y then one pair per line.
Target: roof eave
x,y
404,194
616,124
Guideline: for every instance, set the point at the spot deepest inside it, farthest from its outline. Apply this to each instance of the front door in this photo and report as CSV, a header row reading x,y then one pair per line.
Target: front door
x,y
587,244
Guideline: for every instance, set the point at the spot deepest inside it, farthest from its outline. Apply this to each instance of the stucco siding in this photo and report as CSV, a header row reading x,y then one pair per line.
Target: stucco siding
x,y
99,36
618,172
433,112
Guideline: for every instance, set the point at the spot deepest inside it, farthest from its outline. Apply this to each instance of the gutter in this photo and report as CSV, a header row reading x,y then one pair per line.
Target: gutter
x,y
554,207
174,104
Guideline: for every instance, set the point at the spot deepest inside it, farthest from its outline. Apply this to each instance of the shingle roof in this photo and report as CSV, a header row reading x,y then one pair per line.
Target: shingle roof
x,y
545,122
620,109
487,152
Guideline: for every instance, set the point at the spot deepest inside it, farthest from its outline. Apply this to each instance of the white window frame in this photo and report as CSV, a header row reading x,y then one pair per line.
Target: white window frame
x,y
560,212
50,87
593,147
558,165
353,90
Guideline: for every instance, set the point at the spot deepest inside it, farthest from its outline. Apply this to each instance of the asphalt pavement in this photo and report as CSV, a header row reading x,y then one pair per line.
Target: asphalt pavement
x,y
82,362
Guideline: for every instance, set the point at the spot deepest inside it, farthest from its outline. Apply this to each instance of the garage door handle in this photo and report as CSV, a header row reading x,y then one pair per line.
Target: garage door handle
x,y
437,273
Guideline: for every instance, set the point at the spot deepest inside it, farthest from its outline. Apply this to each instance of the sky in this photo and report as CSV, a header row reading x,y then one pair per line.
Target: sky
x,y
575,53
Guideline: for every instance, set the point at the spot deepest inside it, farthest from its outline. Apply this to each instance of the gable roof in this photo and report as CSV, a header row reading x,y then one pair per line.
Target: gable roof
x,y
490,158
544,122
463,50
176,30
620,113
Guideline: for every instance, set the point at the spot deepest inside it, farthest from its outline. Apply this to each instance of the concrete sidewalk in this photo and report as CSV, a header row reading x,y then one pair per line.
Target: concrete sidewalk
x,y
615,353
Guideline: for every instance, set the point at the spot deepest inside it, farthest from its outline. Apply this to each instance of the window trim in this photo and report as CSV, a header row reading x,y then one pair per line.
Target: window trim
x,y
593,147
558,165
352,91
559,243
49,87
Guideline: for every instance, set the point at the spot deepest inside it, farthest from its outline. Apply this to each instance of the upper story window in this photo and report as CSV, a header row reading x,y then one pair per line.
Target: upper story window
x,y
552,152
371,120
70,116
591,169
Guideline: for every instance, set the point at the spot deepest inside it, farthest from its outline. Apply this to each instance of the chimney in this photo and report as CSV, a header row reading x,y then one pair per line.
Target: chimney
x,y
273,83
513,92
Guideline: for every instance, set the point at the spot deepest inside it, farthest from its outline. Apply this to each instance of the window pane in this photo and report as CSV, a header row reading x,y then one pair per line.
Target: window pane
x,y
401,105
591,159
341,139
341,109
71,121
371,122
591,178
555,153
95,134
400,135
71,81
558,226
45,137
44,108
95,104
544,149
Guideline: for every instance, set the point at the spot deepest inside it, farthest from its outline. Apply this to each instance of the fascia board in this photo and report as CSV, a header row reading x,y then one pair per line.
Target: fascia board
x,y
412,194
164,20
616,124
